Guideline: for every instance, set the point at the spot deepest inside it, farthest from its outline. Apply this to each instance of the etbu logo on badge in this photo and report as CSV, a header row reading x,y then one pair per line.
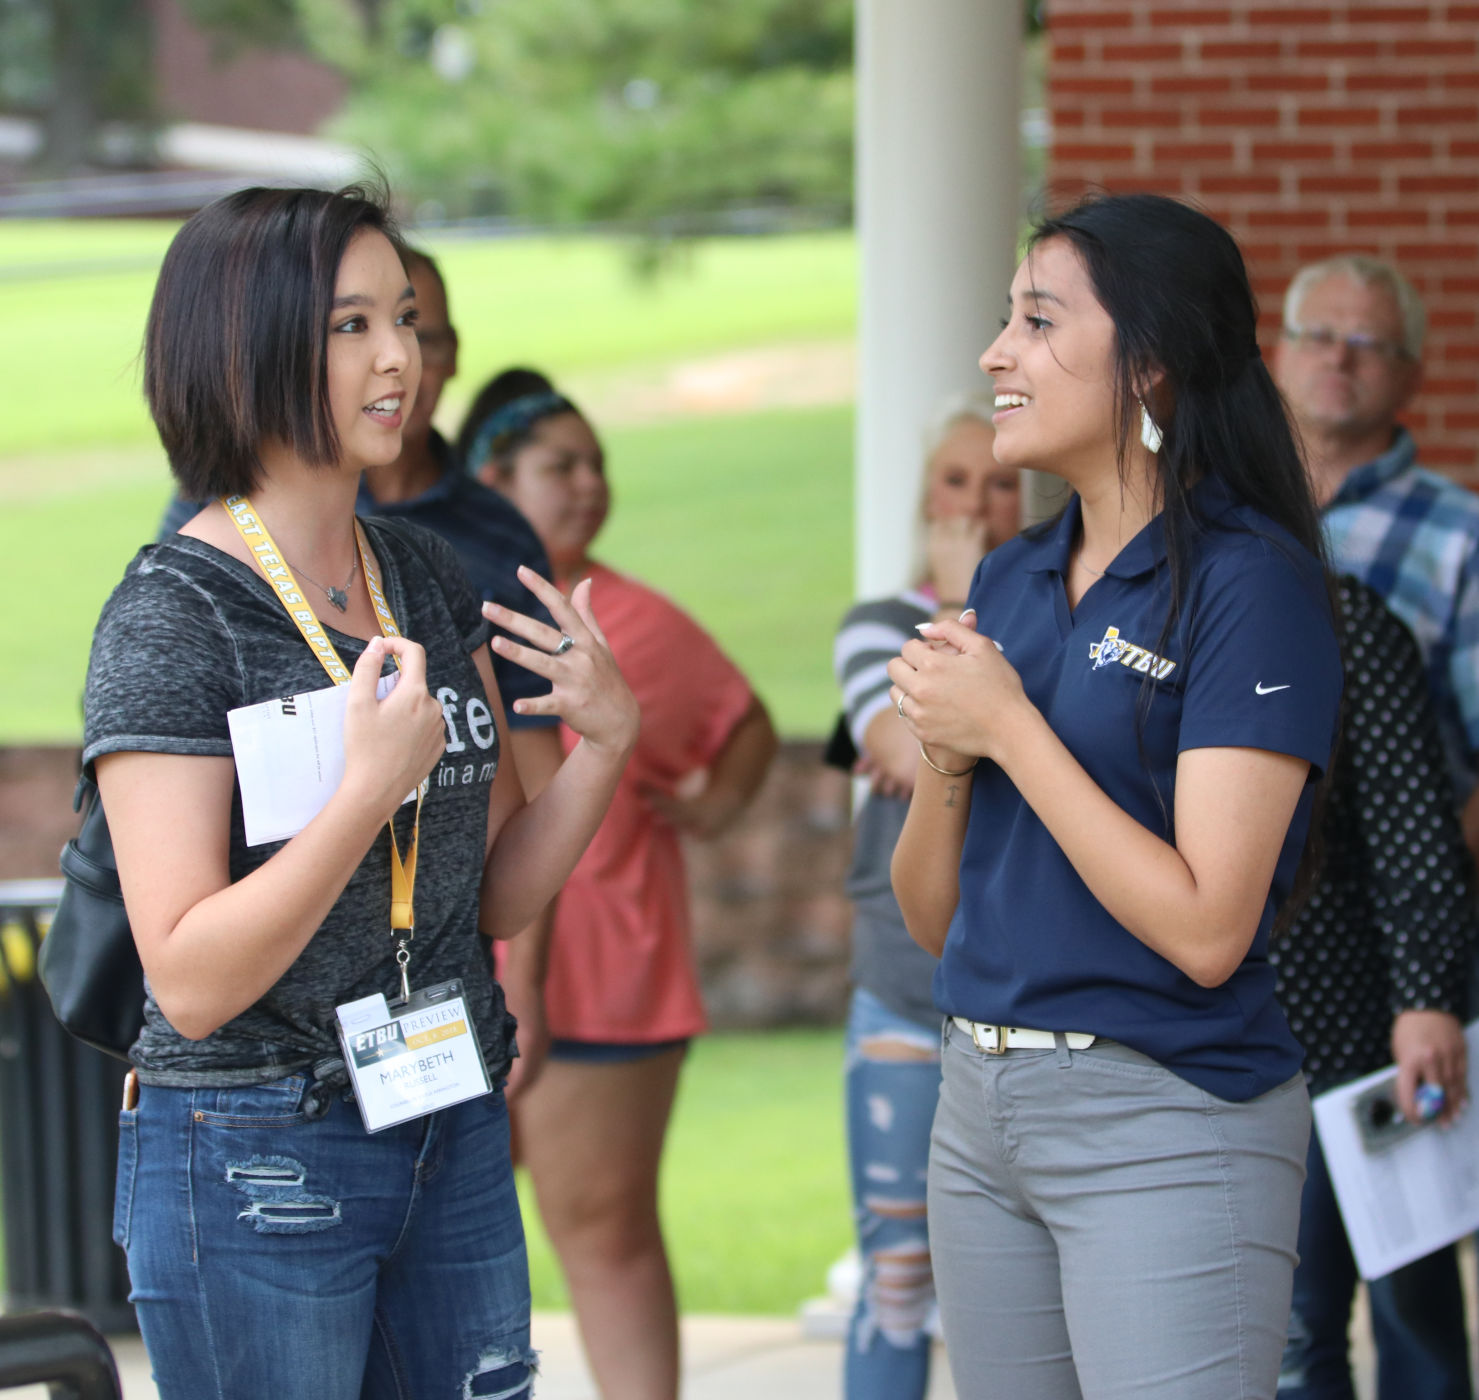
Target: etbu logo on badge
x,y
1113,648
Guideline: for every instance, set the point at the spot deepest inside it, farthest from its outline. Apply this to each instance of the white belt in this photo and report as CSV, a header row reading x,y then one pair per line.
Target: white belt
x,y
997,1040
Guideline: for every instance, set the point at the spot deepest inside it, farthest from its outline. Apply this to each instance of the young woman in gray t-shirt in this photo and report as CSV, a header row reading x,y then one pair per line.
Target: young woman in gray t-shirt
x,y
275,1246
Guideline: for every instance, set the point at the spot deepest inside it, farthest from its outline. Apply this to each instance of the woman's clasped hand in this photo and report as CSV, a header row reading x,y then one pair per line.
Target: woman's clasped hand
x,y
957,692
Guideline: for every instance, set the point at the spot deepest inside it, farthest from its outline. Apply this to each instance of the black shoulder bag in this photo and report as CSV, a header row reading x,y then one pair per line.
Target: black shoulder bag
x,y
88,962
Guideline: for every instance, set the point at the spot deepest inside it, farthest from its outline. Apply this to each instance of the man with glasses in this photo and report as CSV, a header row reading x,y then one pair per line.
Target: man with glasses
x,y
1349,362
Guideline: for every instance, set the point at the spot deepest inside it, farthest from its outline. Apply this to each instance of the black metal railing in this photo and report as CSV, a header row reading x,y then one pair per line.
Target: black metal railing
x,y
59,1350
59,1103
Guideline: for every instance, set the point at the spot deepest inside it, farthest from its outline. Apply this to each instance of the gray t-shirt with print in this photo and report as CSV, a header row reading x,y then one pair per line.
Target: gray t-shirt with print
x,y
191,633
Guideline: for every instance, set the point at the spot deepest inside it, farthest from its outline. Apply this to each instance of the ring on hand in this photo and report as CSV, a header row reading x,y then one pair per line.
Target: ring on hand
x,y
900,707
566,642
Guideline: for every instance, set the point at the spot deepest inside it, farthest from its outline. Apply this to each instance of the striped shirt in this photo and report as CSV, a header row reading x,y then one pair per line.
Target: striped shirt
x,y
885,960
871,635
1413,536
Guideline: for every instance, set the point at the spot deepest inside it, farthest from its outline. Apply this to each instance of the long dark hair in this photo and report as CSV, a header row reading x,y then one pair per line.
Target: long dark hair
x,y
1173,283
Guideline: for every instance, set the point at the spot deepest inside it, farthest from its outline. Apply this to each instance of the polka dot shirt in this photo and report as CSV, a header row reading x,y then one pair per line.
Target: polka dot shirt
x,y
1389,925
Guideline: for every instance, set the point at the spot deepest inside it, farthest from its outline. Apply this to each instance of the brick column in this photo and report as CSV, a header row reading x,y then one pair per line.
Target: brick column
x,y
1307,130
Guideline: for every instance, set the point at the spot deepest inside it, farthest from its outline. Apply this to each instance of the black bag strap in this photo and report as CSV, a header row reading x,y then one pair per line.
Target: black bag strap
x,y
87,859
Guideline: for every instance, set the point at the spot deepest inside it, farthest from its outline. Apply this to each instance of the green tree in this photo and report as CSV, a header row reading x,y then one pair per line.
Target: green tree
x,y
75,64
656,115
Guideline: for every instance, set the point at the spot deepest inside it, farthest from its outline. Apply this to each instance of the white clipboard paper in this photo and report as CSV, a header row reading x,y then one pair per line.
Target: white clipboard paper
x,y
1406,1200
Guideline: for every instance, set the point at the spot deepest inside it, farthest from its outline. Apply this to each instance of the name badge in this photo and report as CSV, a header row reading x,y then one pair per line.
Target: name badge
x,y
409,1058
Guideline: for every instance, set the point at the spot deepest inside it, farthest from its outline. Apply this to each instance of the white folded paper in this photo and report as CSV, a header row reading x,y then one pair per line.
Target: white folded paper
x,y
290,758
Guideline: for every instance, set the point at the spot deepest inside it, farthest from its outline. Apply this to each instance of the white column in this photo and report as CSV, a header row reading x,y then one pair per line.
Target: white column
x,y
938,206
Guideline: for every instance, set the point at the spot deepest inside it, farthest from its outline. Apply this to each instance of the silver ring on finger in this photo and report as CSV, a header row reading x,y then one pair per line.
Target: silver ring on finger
x,y
902,698
566,643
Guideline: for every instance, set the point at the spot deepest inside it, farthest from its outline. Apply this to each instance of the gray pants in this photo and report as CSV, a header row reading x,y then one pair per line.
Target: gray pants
x,y
1101,1228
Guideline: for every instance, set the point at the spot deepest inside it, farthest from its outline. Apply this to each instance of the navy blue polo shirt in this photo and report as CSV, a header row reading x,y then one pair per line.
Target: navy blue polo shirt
x,y
1253,662
491,538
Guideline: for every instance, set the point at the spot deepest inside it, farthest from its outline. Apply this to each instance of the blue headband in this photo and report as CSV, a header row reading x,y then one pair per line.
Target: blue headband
x,y
514,419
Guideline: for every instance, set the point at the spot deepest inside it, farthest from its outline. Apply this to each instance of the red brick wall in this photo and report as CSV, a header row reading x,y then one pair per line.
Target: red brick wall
x,y
198,79
1308,129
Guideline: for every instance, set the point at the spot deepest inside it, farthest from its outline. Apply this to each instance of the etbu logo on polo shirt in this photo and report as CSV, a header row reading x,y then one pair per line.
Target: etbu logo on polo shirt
x,y
1114,648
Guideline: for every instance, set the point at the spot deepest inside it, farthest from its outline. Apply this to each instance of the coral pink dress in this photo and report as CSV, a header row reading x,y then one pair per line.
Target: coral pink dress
x,y
621,960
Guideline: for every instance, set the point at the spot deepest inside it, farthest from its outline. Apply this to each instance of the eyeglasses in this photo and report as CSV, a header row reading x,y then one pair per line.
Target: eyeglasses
x,y
1367,347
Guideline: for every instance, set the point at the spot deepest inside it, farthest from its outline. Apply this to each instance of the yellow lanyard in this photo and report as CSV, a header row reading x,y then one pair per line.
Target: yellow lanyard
x,y
254,533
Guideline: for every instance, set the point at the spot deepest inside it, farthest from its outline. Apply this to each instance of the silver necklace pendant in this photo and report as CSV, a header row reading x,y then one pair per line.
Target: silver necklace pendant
x,y
339,597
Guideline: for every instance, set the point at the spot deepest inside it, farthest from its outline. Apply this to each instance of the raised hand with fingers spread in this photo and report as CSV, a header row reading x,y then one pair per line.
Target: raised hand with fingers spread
x,y
587,690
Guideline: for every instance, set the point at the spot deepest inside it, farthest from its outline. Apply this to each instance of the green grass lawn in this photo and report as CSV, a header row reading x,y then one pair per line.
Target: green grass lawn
x,y
74,297
754,1188
744,520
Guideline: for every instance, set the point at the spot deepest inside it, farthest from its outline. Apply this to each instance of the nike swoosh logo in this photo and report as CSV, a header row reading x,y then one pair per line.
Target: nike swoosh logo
x,y
1259,689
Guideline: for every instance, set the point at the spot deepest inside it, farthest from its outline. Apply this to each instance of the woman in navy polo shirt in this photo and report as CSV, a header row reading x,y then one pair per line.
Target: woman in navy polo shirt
x,y
1152,681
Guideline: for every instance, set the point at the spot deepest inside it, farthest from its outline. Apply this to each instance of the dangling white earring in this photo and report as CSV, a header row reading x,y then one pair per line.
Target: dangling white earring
x,y
1150,435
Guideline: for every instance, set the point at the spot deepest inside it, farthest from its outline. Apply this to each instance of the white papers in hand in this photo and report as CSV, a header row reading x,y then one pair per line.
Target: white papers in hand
x,y
290,758
1411,1198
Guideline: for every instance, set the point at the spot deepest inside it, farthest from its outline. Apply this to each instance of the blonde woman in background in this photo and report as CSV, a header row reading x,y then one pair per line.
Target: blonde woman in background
x,y
969,504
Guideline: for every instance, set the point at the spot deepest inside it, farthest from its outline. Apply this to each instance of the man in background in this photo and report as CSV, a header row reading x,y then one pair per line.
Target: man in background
x,y
1349,362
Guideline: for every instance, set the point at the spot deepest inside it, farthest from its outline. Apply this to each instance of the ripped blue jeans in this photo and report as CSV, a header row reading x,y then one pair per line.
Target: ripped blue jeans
x,y
274,1254
893,1081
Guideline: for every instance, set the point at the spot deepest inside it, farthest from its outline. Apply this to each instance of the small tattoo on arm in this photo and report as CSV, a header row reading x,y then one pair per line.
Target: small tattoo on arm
x,y
952,790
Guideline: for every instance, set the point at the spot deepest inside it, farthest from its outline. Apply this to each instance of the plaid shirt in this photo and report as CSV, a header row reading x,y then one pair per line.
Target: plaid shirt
x,y
1413,536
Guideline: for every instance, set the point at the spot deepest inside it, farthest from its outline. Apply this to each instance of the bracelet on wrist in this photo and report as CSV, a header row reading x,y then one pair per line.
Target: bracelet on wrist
x,y
945,772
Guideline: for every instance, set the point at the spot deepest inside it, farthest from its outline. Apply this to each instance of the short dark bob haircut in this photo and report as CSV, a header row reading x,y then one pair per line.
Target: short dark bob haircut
x,y
236,349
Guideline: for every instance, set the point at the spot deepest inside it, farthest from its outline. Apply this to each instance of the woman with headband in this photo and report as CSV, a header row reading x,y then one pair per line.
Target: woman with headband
x,y
314,1186
622,996
1118,748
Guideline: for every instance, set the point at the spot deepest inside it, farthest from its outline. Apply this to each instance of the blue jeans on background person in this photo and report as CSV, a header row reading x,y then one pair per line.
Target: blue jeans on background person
x,y
1417,1313
272,1253
892,1082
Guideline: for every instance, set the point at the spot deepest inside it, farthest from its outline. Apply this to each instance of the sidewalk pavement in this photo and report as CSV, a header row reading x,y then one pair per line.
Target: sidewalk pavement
x,y
724,1358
